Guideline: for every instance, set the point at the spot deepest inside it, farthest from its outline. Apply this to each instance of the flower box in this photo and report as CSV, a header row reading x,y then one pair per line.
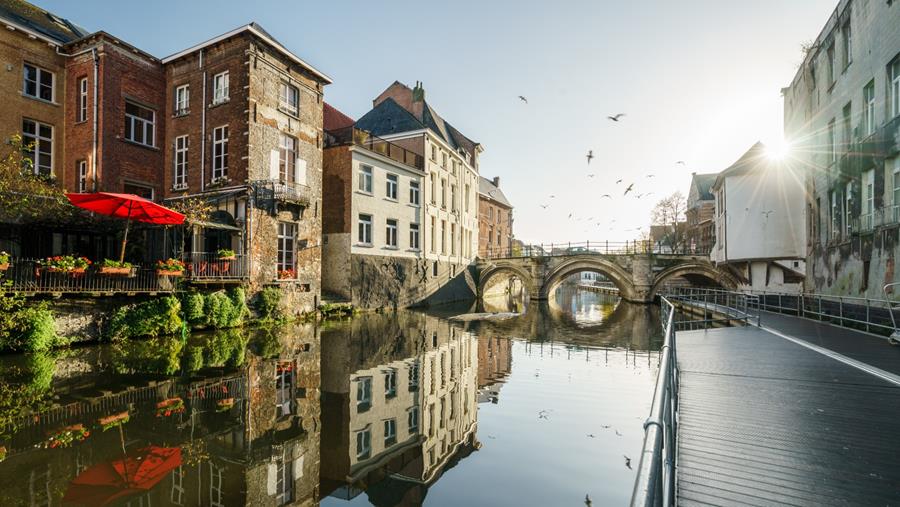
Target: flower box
x,y
115,271
170,406
224,404
67,436
228,258
166,272
74,271
111,421
4,267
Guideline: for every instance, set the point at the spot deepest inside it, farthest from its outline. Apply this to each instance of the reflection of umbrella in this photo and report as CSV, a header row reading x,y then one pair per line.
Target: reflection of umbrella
x,y
129,207
104,483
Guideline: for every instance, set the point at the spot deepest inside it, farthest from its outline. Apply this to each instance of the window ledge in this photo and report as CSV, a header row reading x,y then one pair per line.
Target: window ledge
x,y
288,112
391,199
181,113
81,122
139,145
38,99
391,248
363,192
179,188
219,103
363,245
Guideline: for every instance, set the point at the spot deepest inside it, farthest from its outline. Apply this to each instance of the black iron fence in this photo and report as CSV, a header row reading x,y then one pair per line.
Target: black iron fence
x,y
211,266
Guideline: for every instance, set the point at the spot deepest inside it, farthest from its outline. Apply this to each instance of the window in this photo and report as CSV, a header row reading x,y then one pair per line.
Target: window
x,y
176,495
414,192
140,190
832,142
848,209
848,126
81,166
433,152
452,239
847,47
140,123
363,443
365,229
220,152
431,421
390,432
490,213
433,189
284,389
37,140
453,164
443,236
868,199
413,376
364,391
284,481
182,100
390,383
896,192
287,233
391,186
432,241
414,236
869,104
444,193
391,233
38,83
216,497
895,88
365,179
453,197
412,420
287,158
830,54
289,99
82,99
467,197
220,88
835,214
181,154
443,160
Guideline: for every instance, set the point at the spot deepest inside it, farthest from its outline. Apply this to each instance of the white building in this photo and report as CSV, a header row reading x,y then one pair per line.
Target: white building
x,y
760,222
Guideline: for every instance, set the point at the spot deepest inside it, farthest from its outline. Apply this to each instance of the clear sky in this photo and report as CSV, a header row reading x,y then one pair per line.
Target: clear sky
x,y
699,81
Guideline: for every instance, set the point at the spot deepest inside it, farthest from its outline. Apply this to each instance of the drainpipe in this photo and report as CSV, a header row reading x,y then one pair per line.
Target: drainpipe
x,y
203,129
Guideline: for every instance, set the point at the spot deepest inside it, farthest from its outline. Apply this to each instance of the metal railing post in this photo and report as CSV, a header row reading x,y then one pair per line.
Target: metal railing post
x,y
841,309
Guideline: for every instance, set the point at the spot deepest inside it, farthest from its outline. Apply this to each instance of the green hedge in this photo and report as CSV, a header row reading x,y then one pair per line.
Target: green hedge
x,y
155,317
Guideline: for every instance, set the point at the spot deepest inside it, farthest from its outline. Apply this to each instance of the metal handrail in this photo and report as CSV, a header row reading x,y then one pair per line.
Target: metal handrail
x,y
655,481
601,247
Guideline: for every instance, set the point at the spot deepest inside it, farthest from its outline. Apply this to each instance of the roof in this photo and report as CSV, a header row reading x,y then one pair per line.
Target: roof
x,y
334,119
41,23
750,160
487,188
704,183
258,31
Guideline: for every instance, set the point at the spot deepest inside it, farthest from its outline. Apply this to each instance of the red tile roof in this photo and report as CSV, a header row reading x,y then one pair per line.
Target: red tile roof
x,y
334,119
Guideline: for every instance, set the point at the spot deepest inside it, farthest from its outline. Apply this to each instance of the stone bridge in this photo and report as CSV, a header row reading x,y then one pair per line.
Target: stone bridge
x,y
638,276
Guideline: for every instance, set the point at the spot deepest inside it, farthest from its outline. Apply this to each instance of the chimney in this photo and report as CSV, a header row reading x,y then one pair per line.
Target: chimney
x,y
497,181
418,101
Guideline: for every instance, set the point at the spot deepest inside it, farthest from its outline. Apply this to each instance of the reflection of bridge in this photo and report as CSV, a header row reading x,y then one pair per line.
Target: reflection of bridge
x,y
637,274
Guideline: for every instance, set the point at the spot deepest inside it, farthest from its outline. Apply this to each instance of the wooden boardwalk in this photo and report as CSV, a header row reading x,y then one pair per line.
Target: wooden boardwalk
x,y
766,420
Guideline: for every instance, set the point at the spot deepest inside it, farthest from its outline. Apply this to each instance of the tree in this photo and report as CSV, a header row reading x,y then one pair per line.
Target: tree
x,y
27,196
670,213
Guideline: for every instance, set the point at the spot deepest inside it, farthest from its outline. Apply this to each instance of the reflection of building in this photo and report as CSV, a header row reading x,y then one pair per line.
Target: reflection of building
x,y
495,219
399,403
247,437
842,116
494,366
760,226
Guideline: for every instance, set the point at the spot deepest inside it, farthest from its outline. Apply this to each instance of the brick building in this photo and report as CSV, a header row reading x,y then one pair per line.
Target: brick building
x,y
495,219
700,214
842,115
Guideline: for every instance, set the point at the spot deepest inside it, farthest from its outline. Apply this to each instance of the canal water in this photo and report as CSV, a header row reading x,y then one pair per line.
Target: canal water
x,y
403,408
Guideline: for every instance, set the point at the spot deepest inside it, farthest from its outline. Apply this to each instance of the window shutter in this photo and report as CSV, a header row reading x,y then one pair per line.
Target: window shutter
x,y
274,173
271,478
300,171
298,467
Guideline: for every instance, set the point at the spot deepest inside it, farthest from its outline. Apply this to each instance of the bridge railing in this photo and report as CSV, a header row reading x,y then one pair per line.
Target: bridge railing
x,y
731,306
588,247
655,481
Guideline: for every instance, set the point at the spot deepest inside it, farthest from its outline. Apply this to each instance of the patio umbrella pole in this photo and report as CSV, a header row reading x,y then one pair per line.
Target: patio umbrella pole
x,y
125,237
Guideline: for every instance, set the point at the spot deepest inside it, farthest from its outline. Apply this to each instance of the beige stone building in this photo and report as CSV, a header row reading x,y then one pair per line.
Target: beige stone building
x,y
495,219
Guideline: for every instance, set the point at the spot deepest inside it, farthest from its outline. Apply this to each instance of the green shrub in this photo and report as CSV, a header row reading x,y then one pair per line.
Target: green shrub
x,y
194,358
26,327
156,317
192,306
268,304
158,355
265,343
226,348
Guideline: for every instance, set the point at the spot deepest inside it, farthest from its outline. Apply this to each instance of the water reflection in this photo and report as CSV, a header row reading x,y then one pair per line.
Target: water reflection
x,y
401,408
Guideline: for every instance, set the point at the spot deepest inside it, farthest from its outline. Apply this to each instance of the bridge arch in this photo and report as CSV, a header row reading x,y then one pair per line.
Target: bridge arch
x,y
621,278
705,269
509,269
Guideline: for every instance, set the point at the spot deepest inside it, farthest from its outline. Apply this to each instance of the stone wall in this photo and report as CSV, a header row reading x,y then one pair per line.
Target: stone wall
x,y
389,282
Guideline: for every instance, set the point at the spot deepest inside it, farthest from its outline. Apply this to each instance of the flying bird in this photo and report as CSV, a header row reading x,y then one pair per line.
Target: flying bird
x,y
627,461
616,117
767,213
523,99
587,500
606,195
552,196
617,431
544,206
638,196
628,189
590,155
680,162
618,181
651,175
591,175
570,215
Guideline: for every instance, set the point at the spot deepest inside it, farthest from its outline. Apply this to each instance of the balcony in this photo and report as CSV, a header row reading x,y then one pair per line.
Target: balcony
x,y
269,193
356,137
26,276
205,267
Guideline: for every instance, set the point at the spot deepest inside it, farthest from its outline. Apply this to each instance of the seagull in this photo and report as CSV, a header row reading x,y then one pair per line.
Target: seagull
x,y
587,500
544,206
606,426
767,213
616,117
591,175
638,196
628,189
523,99
618,181
617,431
570,215
552,196
591,435
651,175
627,462
590,155
606,195
680,162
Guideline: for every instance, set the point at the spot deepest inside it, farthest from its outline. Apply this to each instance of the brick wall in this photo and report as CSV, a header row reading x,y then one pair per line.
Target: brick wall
x,y
488,211
337,189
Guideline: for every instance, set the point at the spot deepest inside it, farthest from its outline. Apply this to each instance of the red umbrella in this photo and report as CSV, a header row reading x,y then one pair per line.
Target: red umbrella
x,y
129,207
106,482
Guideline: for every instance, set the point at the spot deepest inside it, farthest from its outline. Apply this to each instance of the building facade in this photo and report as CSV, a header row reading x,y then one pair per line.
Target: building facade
x,y
760,222
372,200
842,115
700,214
495,219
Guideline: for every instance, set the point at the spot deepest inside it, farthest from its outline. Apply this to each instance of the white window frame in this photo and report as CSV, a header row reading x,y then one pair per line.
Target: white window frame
x,y
215,485
176,495
412,420
82,99
452,238
287,246
390,431
869,103
220,88
363,443
148,127
182,99
868,203
364,229
390,231
42,146
837,215
39,85
832,141
179,176
286,92
287,158
414,237
390,382
81,171
848,208
391,186
364,391
895,195
284,481
220,152
414,193
365,179
895,88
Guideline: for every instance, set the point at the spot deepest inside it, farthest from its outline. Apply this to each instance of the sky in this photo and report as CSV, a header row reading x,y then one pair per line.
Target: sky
x,y
699,81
